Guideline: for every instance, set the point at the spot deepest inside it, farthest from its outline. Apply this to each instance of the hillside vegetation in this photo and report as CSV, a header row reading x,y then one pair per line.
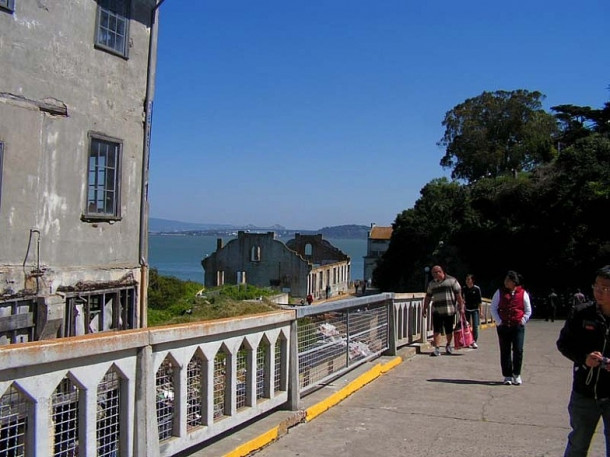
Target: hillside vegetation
x,y
174,301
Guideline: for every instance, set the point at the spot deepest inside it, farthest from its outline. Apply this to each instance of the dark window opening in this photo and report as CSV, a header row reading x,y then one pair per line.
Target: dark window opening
x,y
101,311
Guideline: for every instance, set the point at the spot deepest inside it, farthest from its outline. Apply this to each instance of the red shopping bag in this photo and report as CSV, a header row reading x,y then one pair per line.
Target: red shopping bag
x,y
462,334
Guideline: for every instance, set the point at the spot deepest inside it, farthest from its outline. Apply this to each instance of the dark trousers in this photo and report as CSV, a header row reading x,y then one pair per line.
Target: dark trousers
x,y
511,349
473,317
584,416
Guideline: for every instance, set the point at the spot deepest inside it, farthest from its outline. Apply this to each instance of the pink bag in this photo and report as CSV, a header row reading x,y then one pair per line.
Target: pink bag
x,y
462,334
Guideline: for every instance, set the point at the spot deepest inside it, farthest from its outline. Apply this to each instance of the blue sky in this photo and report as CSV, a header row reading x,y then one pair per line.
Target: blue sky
x,y
314,113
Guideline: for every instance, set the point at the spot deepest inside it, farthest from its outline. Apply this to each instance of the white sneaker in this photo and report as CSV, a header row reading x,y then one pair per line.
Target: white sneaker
x,y
508,380
517,380
436,352
474,345
448,349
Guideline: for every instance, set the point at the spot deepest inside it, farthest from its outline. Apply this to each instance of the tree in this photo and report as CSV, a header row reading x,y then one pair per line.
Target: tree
x,y
580,121
497,133
417,234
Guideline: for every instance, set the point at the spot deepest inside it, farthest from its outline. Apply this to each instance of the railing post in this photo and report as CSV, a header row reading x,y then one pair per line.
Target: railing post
x,y
146,438
424,324
293,367
392,337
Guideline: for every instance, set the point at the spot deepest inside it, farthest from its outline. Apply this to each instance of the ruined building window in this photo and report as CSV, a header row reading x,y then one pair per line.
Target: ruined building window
x,y
308,249
112,26
100,311
7,5
103,183
255,254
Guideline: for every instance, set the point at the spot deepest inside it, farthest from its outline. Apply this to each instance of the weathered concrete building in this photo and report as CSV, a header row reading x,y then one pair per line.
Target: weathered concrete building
x,y
304,265
378,242
76,84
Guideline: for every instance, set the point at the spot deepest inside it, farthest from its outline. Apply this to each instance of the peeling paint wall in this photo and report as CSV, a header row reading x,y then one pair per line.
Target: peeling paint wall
x,y
56,88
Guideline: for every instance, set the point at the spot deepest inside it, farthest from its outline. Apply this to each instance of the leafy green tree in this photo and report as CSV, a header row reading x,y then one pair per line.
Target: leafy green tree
x,y
422,236
580,121
546,221
497,133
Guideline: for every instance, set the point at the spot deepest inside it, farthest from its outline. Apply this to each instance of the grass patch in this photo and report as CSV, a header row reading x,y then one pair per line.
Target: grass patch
x,y
173,301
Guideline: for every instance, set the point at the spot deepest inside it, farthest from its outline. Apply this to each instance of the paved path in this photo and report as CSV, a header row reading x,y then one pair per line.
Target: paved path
x,y
450,406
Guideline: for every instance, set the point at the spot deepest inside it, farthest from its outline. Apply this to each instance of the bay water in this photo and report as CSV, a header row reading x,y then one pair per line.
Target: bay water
x,y
181,255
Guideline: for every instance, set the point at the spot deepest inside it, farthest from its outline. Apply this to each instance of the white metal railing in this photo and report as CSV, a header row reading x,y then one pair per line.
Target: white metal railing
x,y
149,392
157,392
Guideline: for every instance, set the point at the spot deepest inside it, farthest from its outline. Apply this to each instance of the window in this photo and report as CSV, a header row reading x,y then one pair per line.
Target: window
x,y
7,5
112,26
255,254
103,179
100,311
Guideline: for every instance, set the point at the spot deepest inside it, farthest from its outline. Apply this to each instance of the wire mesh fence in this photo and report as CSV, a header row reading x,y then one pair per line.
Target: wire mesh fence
x,y
108,415
333,341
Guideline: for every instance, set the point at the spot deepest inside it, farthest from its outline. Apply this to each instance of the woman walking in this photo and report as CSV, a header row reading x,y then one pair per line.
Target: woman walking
x,y
511,309
473,300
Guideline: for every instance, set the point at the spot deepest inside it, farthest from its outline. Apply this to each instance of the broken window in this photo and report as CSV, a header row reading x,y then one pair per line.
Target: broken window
x,y
103,179
17,321
100,311
255,254
112,26
7,5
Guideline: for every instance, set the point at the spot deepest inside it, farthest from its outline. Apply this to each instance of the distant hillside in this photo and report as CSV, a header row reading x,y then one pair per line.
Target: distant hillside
x,y
165,226
345,231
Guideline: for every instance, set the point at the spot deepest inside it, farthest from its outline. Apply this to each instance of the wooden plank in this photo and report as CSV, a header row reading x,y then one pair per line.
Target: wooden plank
x,y
16,322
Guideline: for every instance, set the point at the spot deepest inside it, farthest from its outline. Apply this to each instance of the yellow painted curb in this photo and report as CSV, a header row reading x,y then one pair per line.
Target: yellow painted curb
x,y
255,444
317,409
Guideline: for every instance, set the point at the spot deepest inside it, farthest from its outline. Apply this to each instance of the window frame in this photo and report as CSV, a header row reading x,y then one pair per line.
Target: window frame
x,y
124,303
7,5
89,215
103,9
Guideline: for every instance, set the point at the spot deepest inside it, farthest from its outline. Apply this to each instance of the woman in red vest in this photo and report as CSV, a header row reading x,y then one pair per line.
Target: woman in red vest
x,y
511,309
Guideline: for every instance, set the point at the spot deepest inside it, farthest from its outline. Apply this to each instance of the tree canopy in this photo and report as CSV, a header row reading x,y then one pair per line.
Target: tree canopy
x,y
497,133
546,220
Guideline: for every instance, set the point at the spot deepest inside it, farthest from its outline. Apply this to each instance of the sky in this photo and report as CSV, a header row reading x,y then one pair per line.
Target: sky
x,y
316,113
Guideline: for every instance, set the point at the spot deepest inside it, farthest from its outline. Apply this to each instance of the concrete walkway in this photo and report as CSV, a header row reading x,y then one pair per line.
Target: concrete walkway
x,y
417,405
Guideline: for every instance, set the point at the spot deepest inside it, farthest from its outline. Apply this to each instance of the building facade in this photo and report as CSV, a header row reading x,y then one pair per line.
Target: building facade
x,y
75,98
377,244
304,265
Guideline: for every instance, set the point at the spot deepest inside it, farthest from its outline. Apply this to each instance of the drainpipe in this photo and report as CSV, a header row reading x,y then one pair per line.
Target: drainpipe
x,y
148,108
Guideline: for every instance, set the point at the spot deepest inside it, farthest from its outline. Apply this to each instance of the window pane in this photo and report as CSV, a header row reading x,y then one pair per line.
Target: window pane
x,y
8,4
112,24
103,176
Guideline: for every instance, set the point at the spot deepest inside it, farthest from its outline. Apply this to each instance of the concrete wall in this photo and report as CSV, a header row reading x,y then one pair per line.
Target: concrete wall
x,y
56,89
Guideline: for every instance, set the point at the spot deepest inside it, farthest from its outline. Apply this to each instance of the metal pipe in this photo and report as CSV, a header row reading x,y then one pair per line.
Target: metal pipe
x,y
148,108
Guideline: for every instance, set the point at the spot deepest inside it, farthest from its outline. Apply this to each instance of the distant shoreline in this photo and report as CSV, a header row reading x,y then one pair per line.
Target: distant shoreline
x,y
326,233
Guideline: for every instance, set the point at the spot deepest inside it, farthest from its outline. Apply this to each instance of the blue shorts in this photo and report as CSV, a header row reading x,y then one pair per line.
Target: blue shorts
x,y
442,322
